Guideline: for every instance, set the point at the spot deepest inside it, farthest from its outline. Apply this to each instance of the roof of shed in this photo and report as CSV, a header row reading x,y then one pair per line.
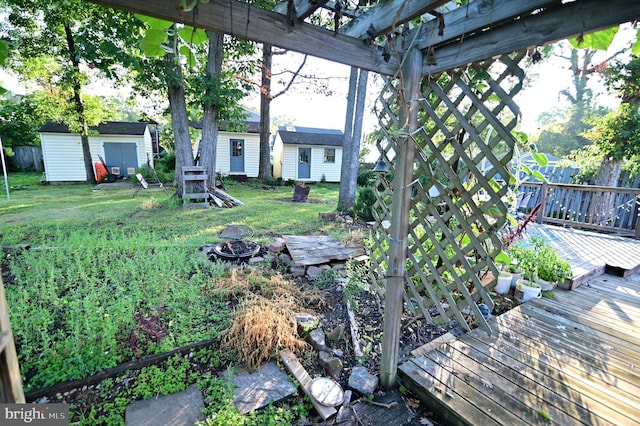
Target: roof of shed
x,y
311,136
109,128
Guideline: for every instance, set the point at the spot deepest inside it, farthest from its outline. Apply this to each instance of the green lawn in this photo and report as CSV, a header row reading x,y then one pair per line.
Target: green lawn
x,y
110,277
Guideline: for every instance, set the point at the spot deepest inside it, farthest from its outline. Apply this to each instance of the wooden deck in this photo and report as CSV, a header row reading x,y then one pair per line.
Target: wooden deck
x,y
591,253
570,360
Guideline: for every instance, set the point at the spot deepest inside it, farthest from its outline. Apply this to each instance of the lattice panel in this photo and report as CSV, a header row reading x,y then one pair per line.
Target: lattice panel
x,y
463,144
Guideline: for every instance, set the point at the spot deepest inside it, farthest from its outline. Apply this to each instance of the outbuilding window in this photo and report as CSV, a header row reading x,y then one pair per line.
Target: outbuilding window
x,y
329,155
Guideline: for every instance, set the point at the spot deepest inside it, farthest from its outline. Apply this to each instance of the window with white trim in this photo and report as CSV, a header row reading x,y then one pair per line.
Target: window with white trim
x,y
329,155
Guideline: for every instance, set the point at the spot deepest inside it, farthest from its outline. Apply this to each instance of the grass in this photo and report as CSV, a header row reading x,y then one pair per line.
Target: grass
x,y
109,277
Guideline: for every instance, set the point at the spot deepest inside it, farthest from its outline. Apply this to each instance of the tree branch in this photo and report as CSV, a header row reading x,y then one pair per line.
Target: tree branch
x,y
283,91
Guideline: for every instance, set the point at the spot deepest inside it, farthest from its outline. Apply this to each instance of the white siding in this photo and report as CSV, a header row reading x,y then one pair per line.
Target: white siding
x,y
251,153
290,162
278,152
331,171
148,147
63,159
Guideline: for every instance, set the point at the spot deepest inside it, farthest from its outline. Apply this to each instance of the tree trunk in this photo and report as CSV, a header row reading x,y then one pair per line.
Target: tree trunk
x,y
208,144
77,99
346,197
264,170
179,117
363,79
608,175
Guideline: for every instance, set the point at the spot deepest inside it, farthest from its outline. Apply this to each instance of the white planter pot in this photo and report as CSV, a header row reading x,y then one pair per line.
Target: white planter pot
x,y
525,292
515,277
504,283
545,285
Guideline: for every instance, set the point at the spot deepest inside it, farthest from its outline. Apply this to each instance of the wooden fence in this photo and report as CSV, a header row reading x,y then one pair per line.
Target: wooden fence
x,y
600,208
26,159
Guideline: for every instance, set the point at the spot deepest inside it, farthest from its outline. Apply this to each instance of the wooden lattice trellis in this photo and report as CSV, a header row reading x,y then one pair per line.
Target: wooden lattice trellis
x,y
463,145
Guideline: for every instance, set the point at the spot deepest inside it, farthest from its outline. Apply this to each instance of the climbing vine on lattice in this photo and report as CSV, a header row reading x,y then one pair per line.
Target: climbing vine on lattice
x,y
464,144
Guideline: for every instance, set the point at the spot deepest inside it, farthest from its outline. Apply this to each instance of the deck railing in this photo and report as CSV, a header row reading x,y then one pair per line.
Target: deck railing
x,y
601,208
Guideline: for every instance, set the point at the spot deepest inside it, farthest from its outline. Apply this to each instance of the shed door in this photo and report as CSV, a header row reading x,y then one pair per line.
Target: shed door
x,y
304,163
121,155
237,156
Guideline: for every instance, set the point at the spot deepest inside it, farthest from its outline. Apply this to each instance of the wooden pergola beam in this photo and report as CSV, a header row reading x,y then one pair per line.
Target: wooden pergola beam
x,y
386,15
303,8
568,20
250,22
472,18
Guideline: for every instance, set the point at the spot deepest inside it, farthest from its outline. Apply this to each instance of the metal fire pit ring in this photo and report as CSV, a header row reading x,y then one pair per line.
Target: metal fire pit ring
x,y
236,249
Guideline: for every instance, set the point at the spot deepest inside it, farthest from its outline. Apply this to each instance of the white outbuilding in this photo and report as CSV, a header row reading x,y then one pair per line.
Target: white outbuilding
x,y
308,154
124,146
238,147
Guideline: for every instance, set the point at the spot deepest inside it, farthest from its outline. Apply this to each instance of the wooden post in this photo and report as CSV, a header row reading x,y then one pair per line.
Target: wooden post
x,y
544,191
400,205
10,380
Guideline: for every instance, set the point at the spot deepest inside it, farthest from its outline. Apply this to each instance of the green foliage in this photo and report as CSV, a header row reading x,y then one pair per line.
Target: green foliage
x,y
623,79
274,181
326,278
357,282
151,44
363,206
223,92
163,176
599,40
537,258
554,139
4,55
69,330
366,176
20,120
166,163
617,134
155,380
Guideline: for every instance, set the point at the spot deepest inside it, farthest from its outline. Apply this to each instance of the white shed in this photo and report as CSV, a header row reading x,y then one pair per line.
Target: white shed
x,y
238,152
124,146
308,154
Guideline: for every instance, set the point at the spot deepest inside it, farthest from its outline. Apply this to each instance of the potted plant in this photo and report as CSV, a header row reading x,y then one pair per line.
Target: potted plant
x,y
505,277
526,257
552,269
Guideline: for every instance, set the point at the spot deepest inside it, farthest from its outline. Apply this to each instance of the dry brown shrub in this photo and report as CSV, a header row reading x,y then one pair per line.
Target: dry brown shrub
x,y
355,237
249,283
149,204
260,328
264,320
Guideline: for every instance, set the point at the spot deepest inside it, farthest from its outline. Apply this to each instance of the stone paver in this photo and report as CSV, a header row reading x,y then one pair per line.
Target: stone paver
x,y
258,389
182,408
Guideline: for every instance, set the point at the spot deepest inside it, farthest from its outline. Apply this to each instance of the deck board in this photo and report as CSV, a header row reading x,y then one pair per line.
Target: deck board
x,y
591,254
573,358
